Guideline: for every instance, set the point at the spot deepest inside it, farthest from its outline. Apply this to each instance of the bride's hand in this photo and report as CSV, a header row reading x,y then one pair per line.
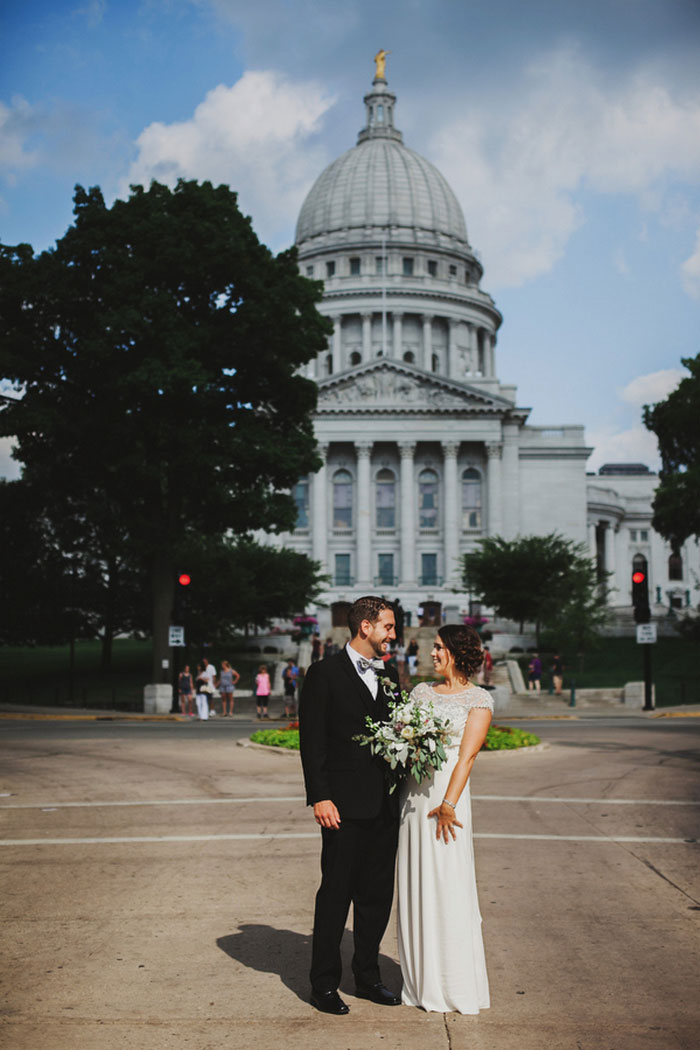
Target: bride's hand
x,y
446,821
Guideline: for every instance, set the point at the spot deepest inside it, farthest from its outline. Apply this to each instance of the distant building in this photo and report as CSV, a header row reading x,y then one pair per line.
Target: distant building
x,y
425,451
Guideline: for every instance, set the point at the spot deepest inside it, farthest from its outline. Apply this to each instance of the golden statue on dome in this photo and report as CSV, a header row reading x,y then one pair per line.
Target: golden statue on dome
x,y
380,63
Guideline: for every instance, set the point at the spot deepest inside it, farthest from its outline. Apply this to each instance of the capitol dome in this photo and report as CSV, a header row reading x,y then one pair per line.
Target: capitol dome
x,y
382,184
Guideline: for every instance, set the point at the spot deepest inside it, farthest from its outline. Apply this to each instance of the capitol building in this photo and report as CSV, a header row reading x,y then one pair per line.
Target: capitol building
x,y
425,449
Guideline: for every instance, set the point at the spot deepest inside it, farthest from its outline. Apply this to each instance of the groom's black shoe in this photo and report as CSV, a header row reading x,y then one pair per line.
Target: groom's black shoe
x,y
329,1003
377,993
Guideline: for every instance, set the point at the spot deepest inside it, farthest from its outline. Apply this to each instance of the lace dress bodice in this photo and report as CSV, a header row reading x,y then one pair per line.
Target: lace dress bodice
x,y
454,707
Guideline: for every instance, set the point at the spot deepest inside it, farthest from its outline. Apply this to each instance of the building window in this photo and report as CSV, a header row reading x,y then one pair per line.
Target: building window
x,y
644,535
380,113
386,570
432,267
309,271
471,499
354,267
330,269
379,264
300,492
385,499
453,271
435,363
428,570
342,500
407,266
675,567
355,357
409,357
329,364
428,499
342,571
633,535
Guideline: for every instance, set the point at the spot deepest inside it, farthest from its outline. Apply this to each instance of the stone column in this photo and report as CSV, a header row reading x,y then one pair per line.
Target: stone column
x,y
398,336
408,527
319,496
363,531
452,363
428,342
366,337
336,352
592,544
494,483
609,540
491,363
453,525
511,481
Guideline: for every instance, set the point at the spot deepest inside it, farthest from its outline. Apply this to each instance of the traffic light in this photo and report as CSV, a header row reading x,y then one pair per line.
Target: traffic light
x,y
180,603
640,596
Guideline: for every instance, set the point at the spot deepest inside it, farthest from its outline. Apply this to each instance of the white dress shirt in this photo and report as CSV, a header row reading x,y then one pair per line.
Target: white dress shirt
x,y
368,677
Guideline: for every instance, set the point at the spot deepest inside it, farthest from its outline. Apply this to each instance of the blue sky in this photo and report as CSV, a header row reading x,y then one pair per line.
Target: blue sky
x,y
570,133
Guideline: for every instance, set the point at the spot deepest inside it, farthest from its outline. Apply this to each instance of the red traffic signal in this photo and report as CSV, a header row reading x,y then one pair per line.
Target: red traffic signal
x,y
184,580
637,577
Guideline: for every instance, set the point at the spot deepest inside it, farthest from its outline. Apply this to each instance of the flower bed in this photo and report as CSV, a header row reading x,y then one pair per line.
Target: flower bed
x,y
498,738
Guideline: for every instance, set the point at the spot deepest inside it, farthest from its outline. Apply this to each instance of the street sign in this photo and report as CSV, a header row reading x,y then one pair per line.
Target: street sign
x,y
176,637
646,633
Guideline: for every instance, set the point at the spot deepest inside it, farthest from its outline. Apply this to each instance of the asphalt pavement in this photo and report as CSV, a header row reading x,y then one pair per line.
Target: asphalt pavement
x,y
158,885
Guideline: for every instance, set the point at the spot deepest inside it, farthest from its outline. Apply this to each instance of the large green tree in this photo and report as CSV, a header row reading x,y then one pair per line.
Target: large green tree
x,y
156,353
543,580
676,423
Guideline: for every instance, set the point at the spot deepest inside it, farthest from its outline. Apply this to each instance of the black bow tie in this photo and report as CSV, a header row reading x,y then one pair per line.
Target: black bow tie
x,y
364,665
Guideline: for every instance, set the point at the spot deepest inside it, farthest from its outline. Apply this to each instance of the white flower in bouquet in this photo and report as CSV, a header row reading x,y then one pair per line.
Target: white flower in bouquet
x,y
414,739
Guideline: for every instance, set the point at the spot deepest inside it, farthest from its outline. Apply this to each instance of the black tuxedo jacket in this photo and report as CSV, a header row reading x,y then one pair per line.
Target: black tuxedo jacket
x,y
333,706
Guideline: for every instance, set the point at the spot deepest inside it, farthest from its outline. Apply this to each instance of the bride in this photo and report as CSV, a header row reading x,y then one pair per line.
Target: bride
x,y
440,945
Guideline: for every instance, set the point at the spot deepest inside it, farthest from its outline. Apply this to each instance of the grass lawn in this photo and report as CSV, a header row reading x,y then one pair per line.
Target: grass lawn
x,y
675,668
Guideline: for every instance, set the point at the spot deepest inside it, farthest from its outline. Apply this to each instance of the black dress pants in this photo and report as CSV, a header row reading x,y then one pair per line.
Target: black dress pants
x,y
357,865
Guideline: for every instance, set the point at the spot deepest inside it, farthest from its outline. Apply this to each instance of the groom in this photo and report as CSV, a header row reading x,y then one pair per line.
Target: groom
x,y
347,787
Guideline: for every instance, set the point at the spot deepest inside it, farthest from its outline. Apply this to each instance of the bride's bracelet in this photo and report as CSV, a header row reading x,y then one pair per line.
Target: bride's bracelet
x,y
449,803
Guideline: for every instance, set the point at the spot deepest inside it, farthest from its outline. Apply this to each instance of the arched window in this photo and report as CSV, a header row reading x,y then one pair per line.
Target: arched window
x,y
355,357
471,499
385,499
428,499
342,499
300,493
675,567
435,363
409,357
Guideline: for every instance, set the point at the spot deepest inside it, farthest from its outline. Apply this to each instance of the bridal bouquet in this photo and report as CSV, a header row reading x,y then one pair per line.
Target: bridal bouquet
x,y
413,741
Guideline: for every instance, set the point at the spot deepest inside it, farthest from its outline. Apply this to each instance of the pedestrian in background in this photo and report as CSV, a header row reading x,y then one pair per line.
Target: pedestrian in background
x,y
209,672
228,679
534,673
412,656
262,691
290,676
557,670
185,688
204,690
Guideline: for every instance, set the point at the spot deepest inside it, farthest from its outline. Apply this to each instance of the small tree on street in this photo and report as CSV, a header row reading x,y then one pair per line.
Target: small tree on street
x,y
537,579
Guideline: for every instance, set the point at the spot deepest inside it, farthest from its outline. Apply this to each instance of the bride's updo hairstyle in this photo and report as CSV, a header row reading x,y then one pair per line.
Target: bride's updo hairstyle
x,y
465,645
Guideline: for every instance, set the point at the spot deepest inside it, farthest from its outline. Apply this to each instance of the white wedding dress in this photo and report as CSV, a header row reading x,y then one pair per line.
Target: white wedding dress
x,y
441,950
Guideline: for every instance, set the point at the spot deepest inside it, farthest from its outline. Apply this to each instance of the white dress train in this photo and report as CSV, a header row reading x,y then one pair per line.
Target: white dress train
x,y
441,950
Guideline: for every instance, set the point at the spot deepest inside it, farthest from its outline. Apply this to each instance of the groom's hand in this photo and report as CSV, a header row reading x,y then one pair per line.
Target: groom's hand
x,y
326,814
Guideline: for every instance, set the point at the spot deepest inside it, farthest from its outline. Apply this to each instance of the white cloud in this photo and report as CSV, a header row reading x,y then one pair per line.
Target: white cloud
x,y
522,169
690,272
651,388
634,445
9,467
256,136
18,122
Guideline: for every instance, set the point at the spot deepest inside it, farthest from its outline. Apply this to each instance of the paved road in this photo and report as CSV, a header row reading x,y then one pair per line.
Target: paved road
x,y
159,882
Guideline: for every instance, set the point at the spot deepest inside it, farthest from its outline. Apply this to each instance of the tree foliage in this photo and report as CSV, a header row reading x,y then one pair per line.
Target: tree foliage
x,y
545,580
155,351
676,423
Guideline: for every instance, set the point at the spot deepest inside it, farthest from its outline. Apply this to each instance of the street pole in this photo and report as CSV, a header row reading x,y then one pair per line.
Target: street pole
x,y
648,702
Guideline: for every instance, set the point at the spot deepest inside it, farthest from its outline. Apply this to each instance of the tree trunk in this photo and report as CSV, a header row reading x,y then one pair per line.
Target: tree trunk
x,y
110,605
163,592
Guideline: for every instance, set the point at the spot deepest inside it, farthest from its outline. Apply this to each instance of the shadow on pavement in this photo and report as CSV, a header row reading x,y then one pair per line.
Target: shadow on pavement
x,y
288,954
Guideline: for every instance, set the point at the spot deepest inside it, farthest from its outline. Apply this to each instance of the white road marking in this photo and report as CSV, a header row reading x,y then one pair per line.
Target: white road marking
x,y
300,798
262,837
